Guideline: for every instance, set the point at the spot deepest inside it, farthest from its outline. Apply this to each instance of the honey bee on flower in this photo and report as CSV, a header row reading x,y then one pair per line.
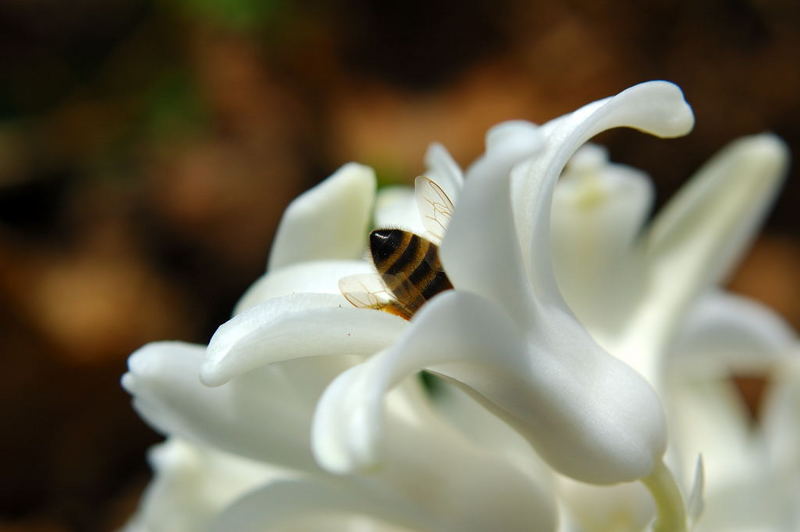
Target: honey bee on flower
x,y
409,272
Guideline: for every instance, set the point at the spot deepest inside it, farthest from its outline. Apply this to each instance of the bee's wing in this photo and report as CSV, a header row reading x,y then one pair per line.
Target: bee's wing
x,y
368,290
435,207
365,290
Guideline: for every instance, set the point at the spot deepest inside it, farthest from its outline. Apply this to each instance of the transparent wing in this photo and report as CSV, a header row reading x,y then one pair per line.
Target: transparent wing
x,y
435,207
367,290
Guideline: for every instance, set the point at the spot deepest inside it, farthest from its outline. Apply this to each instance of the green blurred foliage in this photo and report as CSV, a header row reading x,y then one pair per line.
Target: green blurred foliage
x,y
234,14
173,106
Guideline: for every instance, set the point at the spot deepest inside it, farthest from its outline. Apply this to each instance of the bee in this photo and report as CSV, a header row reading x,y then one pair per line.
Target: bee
x,y
409,271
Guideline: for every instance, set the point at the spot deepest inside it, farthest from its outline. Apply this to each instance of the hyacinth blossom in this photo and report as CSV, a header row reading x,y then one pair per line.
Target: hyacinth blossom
x,y
577,370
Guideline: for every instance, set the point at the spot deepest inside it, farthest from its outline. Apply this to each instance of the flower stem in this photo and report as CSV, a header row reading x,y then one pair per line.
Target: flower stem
x,y
670,507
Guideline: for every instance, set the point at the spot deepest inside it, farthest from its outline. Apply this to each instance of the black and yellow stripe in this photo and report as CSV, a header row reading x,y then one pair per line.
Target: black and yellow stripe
x,y
409,266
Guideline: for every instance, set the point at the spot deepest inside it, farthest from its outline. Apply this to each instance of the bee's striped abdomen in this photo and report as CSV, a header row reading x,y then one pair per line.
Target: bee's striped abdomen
x,y
409,266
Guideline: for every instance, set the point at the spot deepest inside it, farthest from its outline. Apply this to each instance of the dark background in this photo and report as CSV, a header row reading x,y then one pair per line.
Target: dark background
x,y
147,149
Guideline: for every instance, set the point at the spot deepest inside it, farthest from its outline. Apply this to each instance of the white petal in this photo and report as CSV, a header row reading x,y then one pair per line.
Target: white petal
x,y
480,426
319,277
514,138
444,170
281,505
708,417
725,333
330,221
167,393
467,486
626,506
782,417
760,504
296,326
346,422
396,208
589,415
480,252
656,107
598,211
191,485
723,204
704,229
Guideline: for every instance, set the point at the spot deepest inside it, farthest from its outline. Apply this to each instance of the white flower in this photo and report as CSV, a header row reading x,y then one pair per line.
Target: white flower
x,y
505,332
601,254
192,485
593,344
751,465
434,477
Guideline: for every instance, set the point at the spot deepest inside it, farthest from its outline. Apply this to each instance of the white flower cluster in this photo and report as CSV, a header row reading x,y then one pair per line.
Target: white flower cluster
x,y
573,377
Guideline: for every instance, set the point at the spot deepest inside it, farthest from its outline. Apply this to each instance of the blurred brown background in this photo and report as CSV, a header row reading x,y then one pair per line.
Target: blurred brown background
x,y
148,147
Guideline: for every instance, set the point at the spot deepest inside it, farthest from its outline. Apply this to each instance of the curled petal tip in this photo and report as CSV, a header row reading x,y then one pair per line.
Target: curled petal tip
x,y
664,104
292,327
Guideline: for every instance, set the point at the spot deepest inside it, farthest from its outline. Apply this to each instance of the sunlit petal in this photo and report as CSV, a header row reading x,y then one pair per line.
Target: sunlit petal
x,y
167,393
191,485
759,504
467,486
437,480
480,252
598,210
479,425
625,506
703,230
707,417
726,333
278,330
781,415
782,418
656,107
329,221
590,416
293,505
319,277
